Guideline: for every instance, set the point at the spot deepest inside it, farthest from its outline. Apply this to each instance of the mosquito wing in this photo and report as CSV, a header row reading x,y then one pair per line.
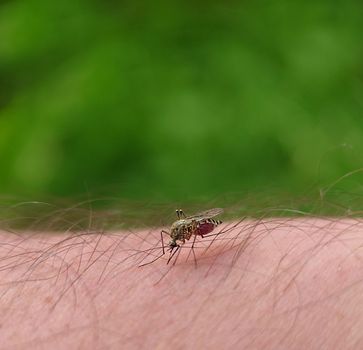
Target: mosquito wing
x,y
208,214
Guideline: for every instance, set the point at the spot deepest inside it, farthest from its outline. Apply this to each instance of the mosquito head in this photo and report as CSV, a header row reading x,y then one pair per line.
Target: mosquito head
x,y
172,245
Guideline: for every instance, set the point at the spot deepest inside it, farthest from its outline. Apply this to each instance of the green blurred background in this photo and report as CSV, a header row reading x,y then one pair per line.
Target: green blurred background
x,y
179,101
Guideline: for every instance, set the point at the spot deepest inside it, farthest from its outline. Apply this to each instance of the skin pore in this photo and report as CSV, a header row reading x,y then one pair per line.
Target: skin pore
x,y
283,283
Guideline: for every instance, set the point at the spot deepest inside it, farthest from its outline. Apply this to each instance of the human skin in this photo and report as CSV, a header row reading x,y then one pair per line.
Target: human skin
x,y
254,284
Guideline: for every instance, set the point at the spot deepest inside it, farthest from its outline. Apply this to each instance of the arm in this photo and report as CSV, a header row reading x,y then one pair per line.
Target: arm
x,y
273,283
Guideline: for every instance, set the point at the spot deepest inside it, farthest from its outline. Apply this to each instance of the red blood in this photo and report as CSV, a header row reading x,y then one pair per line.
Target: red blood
x,y
205,228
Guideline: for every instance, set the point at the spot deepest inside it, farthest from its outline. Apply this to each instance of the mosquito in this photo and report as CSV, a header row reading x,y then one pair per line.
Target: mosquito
x,y
185,227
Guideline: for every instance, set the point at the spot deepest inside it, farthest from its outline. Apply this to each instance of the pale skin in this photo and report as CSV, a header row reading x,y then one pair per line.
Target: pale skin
x,y
267,284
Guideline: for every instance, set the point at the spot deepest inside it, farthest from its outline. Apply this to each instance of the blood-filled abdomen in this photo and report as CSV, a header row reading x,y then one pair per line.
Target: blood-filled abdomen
x,y
205,228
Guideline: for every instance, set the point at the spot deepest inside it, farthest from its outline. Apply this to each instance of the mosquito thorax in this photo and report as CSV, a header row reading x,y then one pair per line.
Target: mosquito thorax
x,y
178,223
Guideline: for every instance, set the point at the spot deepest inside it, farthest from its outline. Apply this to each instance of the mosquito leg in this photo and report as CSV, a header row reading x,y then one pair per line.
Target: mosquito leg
x,y
150,262
195,258
181,213
162,246
192,250
212,235
162,238
177,256
173,253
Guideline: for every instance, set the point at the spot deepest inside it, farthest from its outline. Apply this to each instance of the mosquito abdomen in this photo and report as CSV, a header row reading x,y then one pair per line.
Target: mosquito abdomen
x,y
207,226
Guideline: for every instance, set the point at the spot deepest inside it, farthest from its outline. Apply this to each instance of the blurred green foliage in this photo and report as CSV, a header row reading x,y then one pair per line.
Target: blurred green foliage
x,y
178,100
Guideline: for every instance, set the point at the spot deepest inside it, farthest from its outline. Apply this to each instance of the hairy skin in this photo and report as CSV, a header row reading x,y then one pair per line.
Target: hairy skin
x,y
267,284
